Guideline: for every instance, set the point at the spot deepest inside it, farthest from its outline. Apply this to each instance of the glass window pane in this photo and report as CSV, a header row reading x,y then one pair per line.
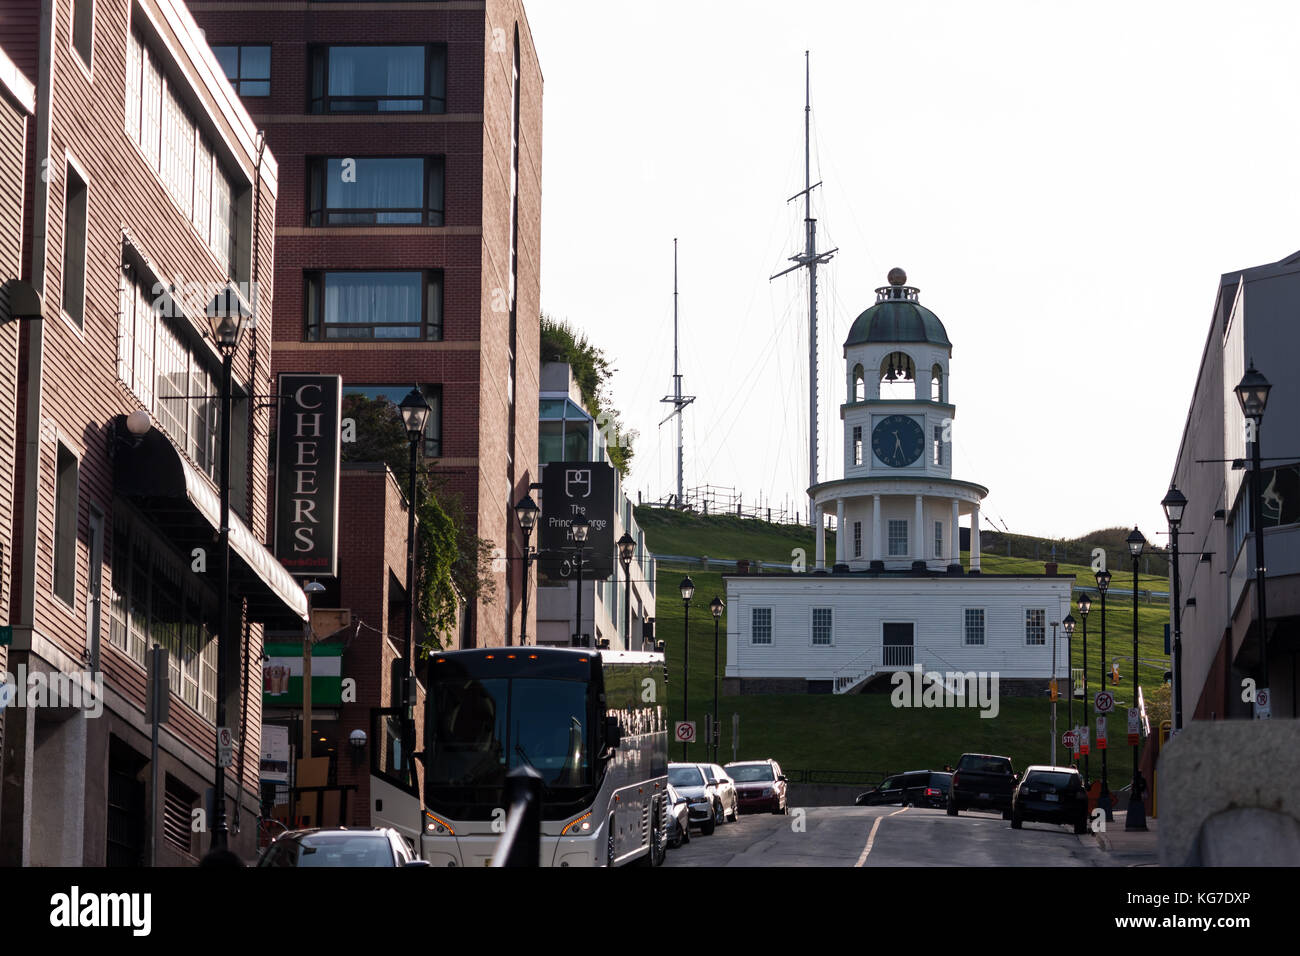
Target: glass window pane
x,y
577,444
549,442
255,63
374,184
376,71
228,57
254,88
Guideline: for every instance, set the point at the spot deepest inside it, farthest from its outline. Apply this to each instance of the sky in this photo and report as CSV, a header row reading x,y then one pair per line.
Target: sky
x,y
1064,184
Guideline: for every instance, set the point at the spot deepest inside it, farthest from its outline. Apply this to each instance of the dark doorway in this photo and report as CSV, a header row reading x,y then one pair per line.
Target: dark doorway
x,y
126,806
898,645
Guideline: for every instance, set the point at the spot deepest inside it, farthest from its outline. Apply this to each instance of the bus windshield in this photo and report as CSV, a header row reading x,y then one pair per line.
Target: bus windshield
x,y
483,728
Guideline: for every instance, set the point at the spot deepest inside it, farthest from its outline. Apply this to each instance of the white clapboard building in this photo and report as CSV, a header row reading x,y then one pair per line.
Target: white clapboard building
x,y
895,596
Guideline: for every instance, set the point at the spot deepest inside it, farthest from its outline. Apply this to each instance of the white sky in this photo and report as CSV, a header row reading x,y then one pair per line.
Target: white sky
x,y
1064,184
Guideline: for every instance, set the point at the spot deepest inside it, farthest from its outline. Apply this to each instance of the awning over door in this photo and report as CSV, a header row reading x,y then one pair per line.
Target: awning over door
x,y
186,507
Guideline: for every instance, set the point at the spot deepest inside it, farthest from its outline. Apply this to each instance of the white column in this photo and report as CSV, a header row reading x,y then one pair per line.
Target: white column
x,y
820,532
841,545
975,538
918,549
954,546
876,533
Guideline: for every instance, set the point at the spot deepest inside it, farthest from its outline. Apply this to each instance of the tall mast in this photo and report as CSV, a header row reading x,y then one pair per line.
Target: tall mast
x,y
810,258
678,400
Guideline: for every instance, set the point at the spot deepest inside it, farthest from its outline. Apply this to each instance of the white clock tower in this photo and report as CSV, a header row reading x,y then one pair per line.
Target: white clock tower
x,y
898,506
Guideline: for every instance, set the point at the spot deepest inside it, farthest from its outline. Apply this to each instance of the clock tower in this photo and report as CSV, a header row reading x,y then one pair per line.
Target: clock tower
x,y
898,506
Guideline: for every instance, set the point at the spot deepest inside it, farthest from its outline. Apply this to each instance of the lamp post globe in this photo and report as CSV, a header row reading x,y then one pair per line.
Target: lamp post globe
x,y
526,511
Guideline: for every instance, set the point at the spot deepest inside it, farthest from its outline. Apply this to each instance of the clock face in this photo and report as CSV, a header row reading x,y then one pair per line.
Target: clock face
x,y
897,441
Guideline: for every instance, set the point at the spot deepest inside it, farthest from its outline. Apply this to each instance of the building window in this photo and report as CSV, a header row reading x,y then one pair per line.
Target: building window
x,y
760,625
857,539
897,538
394,394
159,123
974,625
938,444
83,29
155,600
821,626
248,68
379,79
74,246
374,305
938,539
857,444
65,525
160,360
1035,626
374,191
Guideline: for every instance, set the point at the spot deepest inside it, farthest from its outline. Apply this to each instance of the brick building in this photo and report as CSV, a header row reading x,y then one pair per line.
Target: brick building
x,y
408,231
144,189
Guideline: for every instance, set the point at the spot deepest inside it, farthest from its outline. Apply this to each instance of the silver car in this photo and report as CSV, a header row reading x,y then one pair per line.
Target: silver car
x,y
702,799
728,808
679,819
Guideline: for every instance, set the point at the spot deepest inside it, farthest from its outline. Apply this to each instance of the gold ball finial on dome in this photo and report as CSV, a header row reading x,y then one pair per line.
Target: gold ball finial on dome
x,y
897,276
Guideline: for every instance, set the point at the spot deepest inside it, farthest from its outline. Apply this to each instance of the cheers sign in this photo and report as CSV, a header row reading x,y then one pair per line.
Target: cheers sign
x,y
307,455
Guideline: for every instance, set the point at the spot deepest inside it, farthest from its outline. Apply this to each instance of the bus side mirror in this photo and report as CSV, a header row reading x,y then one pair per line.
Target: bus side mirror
x,y
613,732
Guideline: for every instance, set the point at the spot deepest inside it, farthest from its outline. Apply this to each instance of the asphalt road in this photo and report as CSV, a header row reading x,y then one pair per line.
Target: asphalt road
x,y
887,836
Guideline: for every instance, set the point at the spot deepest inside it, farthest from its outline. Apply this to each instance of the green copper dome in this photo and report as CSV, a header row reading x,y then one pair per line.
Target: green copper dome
x,y
897,316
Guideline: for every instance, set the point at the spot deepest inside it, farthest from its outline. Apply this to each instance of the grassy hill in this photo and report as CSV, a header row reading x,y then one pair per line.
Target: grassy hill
x,y
864,732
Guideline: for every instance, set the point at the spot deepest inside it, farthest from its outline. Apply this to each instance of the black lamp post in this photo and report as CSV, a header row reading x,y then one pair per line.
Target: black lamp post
x,y
687,588
1252,393
715,607
1085,607
579,530
1135,821
1068,626
626,548
415,414
1174,504
228,316
526,511
1103,584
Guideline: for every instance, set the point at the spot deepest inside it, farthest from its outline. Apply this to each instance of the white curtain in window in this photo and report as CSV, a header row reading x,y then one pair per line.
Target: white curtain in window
x,y
375,184
373,299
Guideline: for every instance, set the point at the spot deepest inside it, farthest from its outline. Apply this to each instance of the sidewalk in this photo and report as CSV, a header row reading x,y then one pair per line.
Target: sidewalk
x,y
1129,847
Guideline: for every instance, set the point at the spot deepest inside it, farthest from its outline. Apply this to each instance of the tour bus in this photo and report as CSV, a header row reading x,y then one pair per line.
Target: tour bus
x,y
592,723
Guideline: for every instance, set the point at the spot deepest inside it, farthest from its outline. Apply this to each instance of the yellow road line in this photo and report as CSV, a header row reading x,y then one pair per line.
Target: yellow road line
x,y
871,839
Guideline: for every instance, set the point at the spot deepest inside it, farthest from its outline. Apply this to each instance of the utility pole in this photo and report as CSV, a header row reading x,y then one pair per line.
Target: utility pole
x,y
677,399
809,259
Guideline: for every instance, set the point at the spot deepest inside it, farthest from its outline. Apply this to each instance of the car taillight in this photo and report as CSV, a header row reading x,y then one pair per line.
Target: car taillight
x,y
931,792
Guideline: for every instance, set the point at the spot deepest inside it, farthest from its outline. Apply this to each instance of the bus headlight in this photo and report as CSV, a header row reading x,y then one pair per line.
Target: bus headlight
x,y
437,825
579,826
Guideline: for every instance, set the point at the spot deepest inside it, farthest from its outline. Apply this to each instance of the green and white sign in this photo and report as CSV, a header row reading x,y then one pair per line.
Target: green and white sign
x,y
282,675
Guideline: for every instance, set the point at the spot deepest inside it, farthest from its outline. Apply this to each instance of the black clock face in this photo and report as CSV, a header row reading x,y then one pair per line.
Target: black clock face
x,y
897,441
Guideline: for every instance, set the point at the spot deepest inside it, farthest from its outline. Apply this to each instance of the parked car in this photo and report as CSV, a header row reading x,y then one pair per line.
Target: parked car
x,y
760,785
679,819
1051,795
728,798
340,846
984,782
916,788
701,794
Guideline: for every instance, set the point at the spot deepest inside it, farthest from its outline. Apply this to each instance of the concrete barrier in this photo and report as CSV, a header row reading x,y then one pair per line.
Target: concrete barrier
x,y
1230,794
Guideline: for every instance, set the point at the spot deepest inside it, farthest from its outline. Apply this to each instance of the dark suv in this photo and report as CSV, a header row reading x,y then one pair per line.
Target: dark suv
x,y
917,788
1051,795
982,782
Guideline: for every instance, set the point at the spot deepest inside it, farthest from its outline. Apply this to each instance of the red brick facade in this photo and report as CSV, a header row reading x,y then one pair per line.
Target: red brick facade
x,y
471,362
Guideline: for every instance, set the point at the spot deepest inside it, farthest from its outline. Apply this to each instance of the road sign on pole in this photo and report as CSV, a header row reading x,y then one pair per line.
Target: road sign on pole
x,y
225,746
1101,733
1083,741
685,731
1103,703
1134,722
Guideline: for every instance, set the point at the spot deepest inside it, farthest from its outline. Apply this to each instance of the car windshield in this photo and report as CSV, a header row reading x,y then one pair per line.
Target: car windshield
x,y
752,772
984,764
482,729
685,777
1058,779
360,849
